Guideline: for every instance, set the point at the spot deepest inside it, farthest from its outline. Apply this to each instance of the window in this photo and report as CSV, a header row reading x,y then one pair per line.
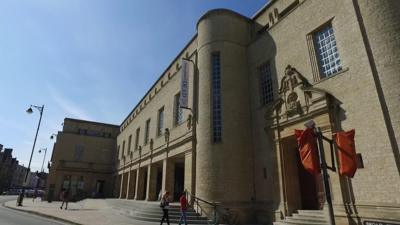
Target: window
x,y
178,112
137,138
326,52
266,90
147,131
129,143
123,149
78,153
160,125
216,98
119,146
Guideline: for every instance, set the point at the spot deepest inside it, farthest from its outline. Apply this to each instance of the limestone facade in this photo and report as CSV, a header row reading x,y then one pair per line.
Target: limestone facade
x,y
253,168
83,160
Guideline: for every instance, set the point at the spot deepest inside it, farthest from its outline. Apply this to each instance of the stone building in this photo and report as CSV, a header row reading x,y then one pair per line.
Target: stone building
x,y
252,82
19,176
83,159
8,165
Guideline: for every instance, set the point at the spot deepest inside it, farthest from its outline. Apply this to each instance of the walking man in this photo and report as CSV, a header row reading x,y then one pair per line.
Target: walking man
x,y
164,204
184,206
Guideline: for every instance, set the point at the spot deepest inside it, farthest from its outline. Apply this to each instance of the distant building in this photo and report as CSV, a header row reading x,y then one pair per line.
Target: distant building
x,y
19,176
8,165
83,159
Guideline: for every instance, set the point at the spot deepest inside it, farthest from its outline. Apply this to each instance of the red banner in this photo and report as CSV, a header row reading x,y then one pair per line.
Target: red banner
x,y
308,150
346,152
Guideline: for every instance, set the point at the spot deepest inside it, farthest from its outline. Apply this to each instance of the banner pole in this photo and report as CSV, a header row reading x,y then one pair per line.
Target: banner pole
x,y
324,169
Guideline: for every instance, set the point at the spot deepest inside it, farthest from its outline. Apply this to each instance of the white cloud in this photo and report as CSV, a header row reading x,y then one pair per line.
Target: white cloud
x,y
67,105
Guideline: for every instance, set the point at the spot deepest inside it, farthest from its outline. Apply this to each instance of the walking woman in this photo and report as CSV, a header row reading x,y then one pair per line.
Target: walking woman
x,y
164,204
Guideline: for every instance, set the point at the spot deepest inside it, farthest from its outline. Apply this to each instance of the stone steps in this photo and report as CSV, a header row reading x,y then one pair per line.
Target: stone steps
x,y
151,212
305,217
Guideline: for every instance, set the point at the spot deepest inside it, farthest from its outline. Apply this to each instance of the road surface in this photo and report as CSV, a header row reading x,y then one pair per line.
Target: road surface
x,y
13,217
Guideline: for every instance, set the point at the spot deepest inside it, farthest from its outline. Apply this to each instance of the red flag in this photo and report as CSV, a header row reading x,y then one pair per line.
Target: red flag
x,y
347,152
308,150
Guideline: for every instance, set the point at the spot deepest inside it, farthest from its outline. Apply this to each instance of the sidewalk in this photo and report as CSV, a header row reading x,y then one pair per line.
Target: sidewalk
x,y
87,212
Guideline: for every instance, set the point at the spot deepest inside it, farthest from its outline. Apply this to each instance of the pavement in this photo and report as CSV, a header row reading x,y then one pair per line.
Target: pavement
x,y
86,212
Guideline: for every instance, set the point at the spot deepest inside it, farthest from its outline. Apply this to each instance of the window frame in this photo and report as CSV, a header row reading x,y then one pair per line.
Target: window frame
x,y
216,114
147,132
265,100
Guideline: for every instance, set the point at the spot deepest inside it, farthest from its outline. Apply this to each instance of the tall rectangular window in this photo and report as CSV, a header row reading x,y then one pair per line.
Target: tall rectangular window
x,y
326,51
123,149
160,125
178,112
137,138
129,143
146,132
78,153
216,98
266,90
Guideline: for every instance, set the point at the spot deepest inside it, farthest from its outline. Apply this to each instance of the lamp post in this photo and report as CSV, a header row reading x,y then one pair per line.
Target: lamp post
x,y
41,109
44,157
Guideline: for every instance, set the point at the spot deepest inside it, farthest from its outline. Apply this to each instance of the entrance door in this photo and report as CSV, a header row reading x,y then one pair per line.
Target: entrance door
x,y
100,188
301,186
159,182
179,180
308,186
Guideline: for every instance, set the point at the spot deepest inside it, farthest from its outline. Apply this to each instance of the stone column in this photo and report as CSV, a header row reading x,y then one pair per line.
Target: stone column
x,y
121,186
128,183
137,183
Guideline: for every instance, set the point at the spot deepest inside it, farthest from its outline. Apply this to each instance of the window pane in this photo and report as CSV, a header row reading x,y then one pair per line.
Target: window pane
x,y
266,91
216,98
327,53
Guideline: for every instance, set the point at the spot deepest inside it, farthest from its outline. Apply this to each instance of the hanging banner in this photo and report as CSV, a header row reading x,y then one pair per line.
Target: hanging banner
x,y
347,152
183,100
308,150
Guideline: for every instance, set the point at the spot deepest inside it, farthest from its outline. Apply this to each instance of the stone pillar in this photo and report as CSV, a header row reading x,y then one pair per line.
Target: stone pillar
x,y
189,167
151,194
128,183
137,183
121,186
168,176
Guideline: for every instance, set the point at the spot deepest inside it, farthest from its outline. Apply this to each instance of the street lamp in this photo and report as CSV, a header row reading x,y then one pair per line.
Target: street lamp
x,y
45,151
53,136
30,111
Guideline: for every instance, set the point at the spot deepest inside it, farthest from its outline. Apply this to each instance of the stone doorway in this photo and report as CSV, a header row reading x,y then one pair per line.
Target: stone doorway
x,y
179,178
302,188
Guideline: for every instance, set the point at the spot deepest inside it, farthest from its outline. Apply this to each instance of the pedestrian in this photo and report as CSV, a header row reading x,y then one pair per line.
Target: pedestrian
x,y
35,194
184,206
164,204
64,198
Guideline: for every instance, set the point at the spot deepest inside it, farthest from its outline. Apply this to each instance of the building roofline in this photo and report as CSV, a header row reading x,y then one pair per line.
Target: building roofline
x,y
92,122
162,74
219,11
263,9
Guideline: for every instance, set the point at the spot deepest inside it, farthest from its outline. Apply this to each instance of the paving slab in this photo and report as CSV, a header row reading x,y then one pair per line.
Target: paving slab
x,y
87,212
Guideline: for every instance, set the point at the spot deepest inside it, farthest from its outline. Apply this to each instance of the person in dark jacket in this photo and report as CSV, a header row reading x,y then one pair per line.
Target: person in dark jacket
x,y
164,204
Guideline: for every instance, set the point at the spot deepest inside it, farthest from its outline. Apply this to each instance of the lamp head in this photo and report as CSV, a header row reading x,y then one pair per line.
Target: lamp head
x,y
309,124
29,110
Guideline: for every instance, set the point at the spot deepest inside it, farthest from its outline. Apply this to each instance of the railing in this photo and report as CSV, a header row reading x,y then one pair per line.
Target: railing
x,y
195,202
219,212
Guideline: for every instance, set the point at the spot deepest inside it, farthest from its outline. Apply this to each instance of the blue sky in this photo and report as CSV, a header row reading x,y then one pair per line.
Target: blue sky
x,y
87,59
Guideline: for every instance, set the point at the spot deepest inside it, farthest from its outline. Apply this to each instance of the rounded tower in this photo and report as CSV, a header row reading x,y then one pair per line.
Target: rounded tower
x,y
224,153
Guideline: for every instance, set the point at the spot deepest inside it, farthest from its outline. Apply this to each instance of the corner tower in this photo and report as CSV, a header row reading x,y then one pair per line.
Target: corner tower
x,y
224,153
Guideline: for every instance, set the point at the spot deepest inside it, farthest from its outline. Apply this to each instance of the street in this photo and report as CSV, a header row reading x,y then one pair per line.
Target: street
x,y
12,217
